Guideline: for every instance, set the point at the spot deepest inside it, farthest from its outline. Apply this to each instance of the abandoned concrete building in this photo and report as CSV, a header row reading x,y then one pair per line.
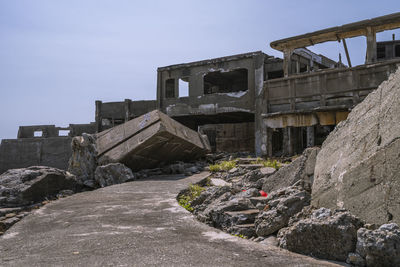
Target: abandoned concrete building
x,y
248,102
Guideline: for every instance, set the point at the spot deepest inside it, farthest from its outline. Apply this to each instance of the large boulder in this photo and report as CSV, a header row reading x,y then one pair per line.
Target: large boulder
x,y
19,187
324,235
281,205
83,162
113,173
358,166
380,247
299,172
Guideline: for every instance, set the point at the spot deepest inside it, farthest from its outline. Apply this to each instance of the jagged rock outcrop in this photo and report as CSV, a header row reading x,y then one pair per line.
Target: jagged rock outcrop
x,y
324,234
113,173
299,172
281,205
19,187
83,161
358,166
380,247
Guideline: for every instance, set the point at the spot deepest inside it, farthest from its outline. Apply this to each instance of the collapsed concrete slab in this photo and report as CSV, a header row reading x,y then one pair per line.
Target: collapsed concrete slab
x,y
149,140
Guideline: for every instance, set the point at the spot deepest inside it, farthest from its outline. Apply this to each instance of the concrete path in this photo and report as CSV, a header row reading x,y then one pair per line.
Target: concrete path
x,y
132,224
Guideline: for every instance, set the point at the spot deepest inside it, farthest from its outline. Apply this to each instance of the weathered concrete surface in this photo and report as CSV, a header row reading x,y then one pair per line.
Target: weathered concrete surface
x,y
300,172
134,224
358,165
26,152
83,161
19,187
149,140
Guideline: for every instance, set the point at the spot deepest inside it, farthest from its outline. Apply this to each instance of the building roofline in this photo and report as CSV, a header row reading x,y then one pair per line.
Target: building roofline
x,y
212,61
387,22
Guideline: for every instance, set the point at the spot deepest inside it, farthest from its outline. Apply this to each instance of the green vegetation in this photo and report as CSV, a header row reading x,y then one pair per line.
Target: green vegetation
x,y
185,200
223,166
268,163
239,235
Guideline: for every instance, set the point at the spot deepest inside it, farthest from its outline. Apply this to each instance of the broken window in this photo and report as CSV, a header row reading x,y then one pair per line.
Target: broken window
x,y
170,88
63,132
183,87
275,74
397,51
38,133
226,82
381,51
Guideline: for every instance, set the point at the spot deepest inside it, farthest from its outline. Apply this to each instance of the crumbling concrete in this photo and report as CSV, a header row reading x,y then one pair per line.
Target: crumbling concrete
x,y
358,165
149,140
19,187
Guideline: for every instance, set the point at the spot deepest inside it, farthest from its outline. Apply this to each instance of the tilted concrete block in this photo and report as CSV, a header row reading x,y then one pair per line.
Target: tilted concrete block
x,y
149,140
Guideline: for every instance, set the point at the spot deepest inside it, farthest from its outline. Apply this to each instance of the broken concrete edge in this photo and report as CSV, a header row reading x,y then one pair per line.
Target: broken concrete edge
x,y
149,141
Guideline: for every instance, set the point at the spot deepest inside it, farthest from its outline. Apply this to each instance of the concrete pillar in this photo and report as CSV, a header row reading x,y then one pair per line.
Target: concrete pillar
x,y
159,90
260,107
287,62
269,142
127,108
371,46
310,136
98,116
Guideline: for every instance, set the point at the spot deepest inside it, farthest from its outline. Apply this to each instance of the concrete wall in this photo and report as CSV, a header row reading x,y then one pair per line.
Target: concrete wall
x,y
230,137
25,152
322,98
198,103
110,114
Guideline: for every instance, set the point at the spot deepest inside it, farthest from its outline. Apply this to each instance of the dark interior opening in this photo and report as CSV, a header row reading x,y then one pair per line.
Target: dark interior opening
x,y
277,142
170,88
381,52
275,74
226,82
194,121
321,133
303,67
397,51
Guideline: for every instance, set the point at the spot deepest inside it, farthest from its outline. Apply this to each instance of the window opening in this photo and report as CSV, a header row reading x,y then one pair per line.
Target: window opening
x,y
183,88
226,82
38,133
170,88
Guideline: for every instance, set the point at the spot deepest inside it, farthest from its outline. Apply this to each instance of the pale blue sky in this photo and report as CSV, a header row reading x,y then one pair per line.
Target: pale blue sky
x,y
58,57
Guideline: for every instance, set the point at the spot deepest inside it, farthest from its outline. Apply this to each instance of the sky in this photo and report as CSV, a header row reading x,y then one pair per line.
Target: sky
x,y
58,57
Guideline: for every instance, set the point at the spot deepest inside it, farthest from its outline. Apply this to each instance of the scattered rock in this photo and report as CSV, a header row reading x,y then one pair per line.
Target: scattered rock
x,y
219,182
358,166
270,241
113,173
7,223
324,235
267,171
380,247
83,161
281,205
20,187
208,196
299,172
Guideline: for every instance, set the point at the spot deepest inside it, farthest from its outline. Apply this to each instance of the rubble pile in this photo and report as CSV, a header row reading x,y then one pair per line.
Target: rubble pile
x,y
377,247
324,234
233,200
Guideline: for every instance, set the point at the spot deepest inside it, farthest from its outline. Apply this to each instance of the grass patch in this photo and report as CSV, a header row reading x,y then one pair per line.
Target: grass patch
x,y
223,166
268,163
193,192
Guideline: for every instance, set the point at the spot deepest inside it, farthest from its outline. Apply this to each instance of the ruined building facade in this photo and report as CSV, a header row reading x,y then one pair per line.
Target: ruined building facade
x,y
248,102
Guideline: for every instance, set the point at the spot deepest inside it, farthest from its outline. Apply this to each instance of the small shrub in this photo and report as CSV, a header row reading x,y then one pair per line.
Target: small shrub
x,y
268,163
185,200
223,166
